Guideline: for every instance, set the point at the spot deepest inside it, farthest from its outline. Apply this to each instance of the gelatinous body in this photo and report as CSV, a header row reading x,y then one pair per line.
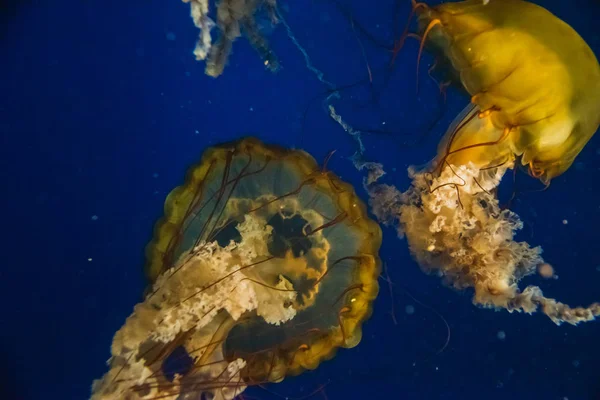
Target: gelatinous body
x,y
262,266
534,82
535,87
234,17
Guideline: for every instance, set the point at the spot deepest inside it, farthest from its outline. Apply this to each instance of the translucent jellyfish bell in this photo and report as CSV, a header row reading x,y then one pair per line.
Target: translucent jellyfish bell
x,y
262,266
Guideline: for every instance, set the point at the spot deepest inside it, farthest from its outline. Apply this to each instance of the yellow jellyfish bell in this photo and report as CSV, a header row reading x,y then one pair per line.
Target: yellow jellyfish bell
x,y
262,266
534,82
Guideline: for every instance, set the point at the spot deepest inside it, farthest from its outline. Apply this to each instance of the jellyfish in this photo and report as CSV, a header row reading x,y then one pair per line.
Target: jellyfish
x,y
535,102
234,17
262,266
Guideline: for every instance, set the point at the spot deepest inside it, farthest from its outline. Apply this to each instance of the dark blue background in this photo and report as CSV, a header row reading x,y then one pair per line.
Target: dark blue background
x,y
101,112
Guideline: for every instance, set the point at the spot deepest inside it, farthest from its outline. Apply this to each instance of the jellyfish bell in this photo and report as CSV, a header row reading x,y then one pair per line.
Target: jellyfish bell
x,y
534,82
262,266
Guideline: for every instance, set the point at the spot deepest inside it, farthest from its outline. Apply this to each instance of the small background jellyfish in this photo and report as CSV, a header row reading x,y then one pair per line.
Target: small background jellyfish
x,y
262,266
233,18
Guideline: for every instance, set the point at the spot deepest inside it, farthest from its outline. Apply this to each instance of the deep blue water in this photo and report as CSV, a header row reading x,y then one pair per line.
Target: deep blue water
x,y
102,110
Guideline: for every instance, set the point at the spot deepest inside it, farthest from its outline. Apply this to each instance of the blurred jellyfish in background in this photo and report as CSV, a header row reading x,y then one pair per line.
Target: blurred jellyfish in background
x,y
535,87
262,266
233,18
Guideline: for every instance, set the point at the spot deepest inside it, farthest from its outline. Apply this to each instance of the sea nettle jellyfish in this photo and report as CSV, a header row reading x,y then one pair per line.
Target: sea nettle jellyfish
x,y
535,87
233,18
263,265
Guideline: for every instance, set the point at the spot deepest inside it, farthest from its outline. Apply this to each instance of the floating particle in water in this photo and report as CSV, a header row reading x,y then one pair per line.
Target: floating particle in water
x,y
598,268
501,335
409,309
94,218
90,259
576,363
171,36
565,222
545,270
155,175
